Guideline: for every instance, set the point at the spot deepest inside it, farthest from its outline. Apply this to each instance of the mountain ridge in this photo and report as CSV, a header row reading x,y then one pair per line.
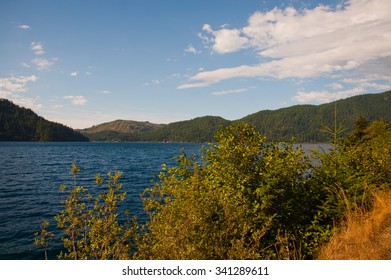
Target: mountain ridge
x,y
123,126
22,124
304,122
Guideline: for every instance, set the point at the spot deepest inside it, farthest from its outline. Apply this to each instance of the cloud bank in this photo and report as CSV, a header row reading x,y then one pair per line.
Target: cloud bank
x,y
12,87
321,42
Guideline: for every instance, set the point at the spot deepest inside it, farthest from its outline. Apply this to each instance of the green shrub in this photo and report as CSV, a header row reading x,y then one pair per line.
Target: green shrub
x,y
90,225
245,198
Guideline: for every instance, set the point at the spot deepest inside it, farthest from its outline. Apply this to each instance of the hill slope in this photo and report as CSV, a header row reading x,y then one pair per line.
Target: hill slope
x,y
200,129
123,126
21,124
119,130
304,122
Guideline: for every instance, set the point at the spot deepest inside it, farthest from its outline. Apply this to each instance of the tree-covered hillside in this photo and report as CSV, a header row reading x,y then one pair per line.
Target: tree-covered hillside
x,y
306,122
21,124
200,129
196,130
119,130
123,126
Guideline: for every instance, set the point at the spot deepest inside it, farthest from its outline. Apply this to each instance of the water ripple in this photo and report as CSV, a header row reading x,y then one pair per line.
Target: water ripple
x,y
31,174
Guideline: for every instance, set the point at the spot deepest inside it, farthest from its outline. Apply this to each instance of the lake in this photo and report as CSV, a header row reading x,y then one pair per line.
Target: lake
x,y
31,174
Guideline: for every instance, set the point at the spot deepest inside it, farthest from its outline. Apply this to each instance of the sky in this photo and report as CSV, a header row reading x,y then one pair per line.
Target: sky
x,y
86,62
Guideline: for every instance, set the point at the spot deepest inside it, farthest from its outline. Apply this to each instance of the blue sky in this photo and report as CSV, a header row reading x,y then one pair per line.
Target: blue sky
x,y
82,63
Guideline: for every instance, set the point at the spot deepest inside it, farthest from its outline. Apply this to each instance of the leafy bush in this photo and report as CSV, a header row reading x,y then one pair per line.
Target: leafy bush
x,y
91,227
359,167
245,198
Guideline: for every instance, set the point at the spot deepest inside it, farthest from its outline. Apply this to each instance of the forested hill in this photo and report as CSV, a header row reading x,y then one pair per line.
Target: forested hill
x,y
119,130
21,124
306,122
200,129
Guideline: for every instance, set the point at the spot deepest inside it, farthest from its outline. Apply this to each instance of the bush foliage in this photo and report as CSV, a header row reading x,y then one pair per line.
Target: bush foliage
x,y
245,198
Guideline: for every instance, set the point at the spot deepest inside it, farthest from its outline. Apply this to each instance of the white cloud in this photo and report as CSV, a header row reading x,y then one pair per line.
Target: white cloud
x,y
24,26
105,91
154,82
346,87
11,88
42,63
326,96
206,27
191,49
37,48
335,86
231,91
76,100
193,85
73,74
304,44
27,102
224,40
11,85
370,82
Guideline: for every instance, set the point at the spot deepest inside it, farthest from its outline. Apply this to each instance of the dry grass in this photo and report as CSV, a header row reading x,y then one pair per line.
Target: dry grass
x,y
366,235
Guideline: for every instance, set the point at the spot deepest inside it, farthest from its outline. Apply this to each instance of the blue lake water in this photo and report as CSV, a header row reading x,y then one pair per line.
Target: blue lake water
x,y
31,173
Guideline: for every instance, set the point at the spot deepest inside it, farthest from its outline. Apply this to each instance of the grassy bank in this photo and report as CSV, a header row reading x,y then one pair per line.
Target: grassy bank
x,y
365,235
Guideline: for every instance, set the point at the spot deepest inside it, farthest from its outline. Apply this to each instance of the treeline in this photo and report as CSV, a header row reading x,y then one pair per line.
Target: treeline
x,y
200,129
119,130
304,122
245,198
21,124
